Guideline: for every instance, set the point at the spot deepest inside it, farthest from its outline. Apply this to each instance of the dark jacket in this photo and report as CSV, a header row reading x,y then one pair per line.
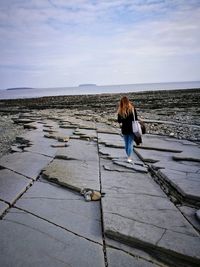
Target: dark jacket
x,y
127,122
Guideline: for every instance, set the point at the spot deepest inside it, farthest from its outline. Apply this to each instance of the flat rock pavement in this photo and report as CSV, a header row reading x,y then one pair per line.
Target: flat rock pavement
x,y
148,216
177,165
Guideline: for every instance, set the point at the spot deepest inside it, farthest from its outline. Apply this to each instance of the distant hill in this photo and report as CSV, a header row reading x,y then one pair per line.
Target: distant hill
x,y
19,88
87,84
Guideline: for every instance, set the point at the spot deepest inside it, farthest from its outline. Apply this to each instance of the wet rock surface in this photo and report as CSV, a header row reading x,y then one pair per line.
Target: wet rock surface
x,y
149,215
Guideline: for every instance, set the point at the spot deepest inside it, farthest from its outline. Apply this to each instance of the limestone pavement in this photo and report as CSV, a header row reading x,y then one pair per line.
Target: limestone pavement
x,y
149,215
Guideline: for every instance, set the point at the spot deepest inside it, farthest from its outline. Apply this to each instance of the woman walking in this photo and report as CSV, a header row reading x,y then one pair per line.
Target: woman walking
x,y
125,118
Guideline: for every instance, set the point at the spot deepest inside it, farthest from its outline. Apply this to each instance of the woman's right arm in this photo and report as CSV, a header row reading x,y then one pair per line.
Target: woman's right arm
x,y
136,116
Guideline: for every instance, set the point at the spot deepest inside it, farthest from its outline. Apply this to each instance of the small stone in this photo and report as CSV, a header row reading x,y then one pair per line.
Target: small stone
x,y
173,199
59,145
171,134
15,148
31,125
23,121
57,137
49,131
166,190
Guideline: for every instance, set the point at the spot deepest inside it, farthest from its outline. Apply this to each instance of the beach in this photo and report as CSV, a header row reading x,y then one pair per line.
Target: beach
x,y
67,189
173,113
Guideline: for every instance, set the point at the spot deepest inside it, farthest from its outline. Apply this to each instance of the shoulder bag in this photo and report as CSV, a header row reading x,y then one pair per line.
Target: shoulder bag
x,y
136,127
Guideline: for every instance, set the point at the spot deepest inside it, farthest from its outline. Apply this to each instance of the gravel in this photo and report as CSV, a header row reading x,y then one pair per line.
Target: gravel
x,y
8,133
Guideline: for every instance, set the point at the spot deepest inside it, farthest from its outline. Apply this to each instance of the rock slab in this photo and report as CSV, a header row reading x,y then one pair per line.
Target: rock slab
x,y
64,208
27,240
25,163
12,185
136,211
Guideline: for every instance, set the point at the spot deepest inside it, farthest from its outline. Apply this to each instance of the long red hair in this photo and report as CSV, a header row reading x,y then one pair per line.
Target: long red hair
x,y
125,107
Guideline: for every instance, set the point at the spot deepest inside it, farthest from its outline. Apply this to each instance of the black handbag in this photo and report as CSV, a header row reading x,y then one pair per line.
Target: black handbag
x,y
143,127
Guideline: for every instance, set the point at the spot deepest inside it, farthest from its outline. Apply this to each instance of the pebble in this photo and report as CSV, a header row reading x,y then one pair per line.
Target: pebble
x,y
8,133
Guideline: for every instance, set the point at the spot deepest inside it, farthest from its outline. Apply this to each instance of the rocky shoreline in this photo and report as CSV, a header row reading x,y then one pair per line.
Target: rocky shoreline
x,y
173,113
148,210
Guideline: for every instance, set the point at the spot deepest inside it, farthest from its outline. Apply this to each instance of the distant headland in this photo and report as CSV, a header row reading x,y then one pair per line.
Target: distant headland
x,y
87,84
19,88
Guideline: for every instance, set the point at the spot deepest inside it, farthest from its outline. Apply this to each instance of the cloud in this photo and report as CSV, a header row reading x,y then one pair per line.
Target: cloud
x,y
119,41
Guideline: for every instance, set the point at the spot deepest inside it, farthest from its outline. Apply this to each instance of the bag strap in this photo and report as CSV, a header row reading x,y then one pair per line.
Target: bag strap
x,y
133,114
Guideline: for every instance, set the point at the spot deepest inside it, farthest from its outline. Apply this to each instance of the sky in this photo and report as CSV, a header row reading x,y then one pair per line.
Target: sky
x,y
58,43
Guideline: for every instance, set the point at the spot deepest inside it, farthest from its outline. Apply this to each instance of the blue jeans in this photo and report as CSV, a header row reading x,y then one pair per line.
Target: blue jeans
x,y
128,139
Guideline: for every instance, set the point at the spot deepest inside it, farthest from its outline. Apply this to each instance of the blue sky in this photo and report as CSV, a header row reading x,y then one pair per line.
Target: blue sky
x,y
52,43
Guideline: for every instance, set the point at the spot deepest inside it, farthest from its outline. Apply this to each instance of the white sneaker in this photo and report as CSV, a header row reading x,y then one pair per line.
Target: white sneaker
x,y
129,160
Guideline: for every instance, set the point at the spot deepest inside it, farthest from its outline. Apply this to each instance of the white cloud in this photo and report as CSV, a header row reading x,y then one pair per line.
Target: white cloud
x,y
72,42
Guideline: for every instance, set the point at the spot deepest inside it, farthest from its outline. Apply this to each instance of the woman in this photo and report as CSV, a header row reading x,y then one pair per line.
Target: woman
x,y
125,118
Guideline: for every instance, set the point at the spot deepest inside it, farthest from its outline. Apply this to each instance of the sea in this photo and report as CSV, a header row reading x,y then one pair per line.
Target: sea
x,y
86,89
